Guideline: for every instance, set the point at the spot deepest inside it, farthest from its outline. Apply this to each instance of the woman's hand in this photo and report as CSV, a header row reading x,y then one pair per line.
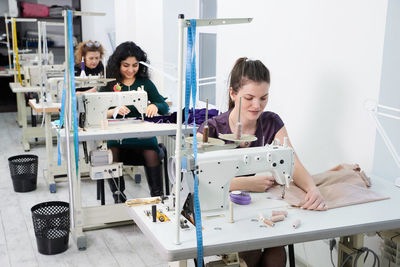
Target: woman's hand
x,y
314,200
151,110
123,110
257,183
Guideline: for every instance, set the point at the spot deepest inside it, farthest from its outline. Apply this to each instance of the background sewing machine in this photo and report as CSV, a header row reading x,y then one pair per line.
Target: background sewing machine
x,y
32,59
37,76
215,170
95,105
32,75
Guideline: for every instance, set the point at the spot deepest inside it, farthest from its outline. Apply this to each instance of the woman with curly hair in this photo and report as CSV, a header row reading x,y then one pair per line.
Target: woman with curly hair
x,y
91,52
123,65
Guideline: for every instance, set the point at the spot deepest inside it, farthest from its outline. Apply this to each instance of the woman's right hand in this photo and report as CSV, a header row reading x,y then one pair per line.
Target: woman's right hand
x,y
257,183
260,183
123,110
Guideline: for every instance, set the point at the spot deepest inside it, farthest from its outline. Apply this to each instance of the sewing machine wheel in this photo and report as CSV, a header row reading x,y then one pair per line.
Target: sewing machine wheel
x,y
244,138
211,141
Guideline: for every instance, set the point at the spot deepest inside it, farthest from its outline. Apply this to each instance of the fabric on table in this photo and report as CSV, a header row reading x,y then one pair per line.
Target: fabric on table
x,y
200,116
341,186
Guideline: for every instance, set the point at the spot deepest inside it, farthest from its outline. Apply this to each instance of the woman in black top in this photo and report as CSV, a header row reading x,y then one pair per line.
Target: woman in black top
x,y
92,52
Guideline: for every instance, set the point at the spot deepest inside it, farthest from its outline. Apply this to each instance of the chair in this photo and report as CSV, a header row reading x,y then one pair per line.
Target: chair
x,y
130,159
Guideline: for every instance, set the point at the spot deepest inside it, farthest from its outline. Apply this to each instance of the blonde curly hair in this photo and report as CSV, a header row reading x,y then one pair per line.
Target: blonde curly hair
x,y
87,46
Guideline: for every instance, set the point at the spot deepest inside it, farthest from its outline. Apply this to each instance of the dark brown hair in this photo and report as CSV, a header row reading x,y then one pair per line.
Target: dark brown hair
x,y
122,52
246,70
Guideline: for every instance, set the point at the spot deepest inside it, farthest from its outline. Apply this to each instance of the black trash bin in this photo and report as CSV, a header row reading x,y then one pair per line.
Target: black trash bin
x,y
51,224
23,170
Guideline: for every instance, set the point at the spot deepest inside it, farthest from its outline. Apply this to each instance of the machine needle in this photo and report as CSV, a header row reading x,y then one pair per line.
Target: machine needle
x,y
283,191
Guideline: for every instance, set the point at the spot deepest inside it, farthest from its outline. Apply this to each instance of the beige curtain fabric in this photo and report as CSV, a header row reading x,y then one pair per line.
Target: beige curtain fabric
x,y
341,186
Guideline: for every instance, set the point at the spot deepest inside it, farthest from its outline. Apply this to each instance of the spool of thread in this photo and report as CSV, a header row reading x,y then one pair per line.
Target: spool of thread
x,y
238,131
296,223
277,218
231,220
104,124
269,222
154,212
206,131
240,197
279,212
83,64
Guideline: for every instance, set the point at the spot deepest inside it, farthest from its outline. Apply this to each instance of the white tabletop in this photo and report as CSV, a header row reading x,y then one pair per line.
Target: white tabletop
x,y
219,236
127,129
18,88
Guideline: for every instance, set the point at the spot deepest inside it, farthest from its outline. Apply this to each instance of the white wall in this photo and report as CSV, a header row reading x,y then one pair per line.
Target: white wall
x,y
153,26
125,20
141,22
97,27
325,59
172,9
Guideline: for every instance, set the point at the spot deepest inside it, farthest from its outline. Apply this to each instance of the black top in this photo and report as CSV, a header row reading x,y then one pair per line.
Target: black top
x,y
268,124
96,71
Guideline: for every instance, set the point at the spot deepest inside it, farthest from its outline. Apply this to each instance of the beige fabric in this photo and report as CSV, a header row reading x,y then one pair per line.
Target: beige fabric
x,y
341,186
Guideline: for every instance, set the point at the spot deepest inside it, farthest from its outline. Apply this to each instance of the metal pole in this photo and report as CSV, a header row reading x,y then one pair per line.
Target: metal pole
x,y
14,49
178,150
40,57
8,43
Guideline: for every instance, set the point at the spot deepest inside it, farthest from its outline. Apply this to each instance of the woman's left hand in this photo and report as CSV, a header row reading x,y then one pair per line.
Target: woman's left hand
x,y
151,110
314,200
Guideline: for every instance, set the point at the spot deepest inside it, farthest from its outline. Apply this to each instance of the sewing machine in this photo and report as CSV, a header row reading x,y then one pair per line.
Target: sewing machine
x,y
32,73
216,169
96,105
30,59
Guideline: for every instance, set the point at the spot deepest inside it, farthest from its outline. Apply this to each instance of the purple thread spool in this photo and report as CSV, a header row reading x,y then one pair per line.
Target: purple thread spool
x,y
240,197
83,64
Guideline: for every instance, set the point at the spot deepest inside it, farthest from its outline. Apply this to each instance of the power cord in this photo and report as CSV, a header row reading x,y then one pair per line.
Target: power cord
x,y
332,244
358,253
116,185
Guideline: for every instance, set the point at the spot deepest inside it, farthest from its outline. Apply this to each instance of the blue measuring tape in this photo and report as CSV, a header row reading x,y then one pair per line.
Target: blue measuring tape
x,y
61,121
191,88
73,96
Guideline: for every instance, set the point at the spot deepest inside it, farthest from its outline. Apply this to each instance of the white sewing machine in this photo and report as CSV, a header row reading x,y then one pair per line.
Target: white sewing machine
x,y
29,59
96,105
32,75
216,169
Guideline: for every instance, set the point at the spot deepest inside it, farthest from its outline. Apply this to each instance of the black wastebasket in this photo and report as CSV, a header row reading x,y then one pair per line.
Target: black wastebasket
x,y
51,224
23,170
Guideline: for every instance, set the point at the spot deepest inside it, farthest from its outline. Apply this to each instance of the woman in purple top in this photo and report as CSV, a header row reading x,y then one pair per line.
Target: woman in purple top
x,y
250,80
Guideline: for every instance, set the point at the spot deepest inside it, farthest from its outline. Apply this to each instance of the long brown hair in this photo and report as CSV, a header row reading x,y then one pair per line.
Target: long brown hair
x,y
246,70
83,48
122,52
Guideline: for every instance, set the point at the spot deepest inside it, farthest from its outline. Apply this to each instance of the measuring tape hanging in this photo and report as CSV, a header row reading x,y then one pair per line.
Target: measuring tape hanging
x,y
61,120
14,32
191,88
72,86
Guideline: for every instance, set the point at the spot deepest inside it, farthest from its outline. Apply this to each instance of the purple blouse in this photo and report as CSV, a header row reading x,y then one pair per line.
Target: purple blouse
x,y
268,124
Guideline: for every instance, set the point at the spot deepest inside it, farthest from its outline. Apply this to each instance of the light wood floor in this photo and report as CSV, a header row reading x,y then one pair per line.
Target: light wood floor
x,y
119,246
